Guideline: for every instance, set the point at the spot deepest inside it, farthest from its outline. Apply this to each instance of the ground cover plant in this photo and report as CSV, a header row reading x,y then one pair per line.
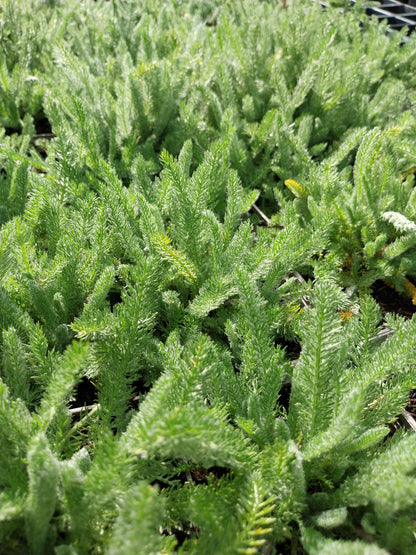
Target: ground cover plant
x,y
196,200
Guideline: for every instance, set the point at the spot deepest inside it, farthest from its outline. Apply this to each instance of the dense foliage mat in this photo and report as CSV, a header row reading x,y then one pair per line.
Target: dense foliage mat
x,y
195,200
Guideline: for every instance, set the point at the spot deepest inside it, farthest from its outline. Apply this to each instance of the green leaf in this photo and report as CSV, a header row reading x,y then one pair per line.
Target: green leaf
x,y
43,470
317,544
163,246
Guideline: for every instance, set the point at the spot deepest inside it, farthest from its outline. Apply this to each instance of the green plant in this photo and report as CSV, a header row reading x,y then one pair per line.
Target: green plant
x,y
188,352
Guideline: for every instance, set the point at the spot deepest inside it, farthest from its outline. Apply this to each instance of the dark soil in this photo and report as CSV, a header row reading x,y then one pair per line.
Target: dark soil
x,y
43,126
411,405
391,301
85,394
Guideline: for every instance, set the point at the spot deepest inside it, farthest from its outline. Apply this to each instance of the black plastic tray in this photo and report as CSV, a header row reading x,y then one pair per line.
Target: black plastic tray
x,y
398,14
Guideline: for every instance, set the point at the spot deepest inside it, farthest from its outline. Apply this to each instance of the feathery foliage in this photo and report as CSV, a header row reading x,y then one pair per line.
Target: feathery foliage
x,y
195,201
